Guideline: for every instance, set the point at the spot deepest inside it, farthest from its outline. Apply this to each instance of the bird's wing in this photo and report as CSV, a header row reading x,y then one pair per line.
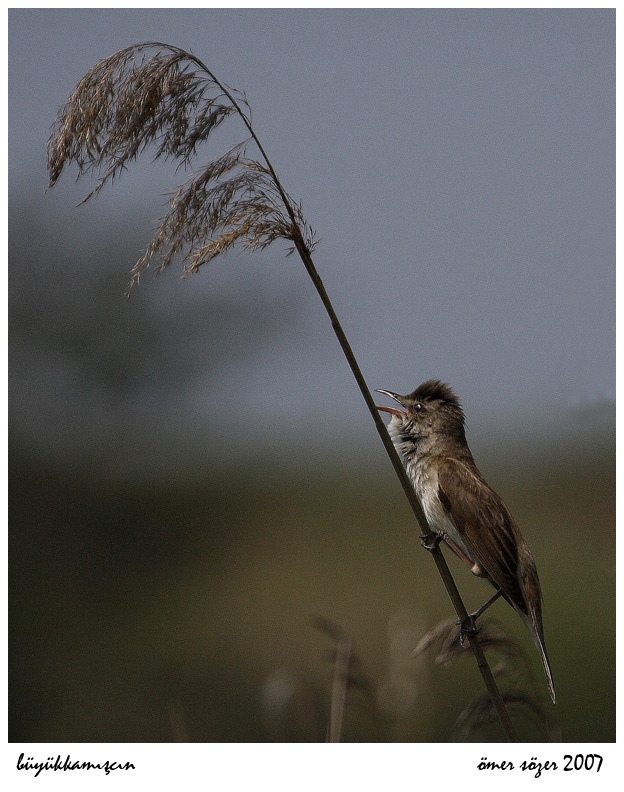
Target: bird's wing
x,y
485,525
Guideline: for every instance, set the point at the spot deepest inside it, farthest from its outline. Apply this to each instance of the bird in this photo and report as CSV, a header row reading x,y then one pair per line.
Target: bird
x,y
461,508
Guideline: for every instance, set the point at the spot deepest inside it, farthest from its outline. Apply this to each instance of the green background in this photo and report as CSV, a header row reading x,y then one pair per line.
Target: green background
x,y
183,608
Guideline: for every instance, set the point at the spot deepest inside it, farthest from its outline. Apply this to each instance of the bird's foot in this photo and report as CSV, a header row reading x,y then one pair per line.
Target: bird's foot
x,y
467,627
430,541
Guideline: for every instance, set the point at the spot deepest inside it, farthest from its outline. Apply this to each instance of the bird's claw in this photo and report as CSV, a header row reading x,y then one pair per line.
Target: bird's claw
x,y
467,627
430,541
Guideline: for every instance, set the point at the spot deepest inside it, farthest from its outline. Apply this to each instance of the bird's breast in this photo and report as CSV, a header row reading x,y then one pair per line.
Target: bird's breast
x,y
424,477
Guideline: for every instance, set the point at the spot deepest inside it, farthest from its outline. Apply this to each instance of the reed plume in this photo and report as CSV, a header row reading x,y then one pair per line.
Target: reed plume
x,y
158,96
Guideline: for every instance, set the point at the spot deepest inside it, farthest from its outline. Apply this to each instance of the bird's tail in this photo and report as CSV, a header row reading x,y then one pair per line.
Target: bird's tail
x,y
536,631
530,610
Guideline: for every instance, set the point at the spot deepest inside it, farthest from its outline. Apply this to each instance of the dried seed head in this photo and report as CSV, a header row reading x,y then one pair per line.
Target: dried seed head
x,y
156,95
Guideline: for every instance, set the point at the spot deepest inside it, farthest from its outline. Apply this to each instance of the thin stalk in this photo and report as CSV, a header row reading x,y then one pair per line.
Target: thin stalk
x,y
412,497
408,489
339,688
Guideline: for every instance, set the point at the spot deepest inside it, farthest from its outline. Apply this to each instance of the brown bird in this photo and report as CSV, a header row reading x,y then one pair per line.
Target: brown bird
x,y
461,508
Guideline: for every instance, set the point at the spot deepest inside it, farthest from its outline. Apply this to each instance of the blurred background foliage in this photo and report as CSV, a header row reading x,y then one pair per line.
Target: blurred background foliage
x,y
164,580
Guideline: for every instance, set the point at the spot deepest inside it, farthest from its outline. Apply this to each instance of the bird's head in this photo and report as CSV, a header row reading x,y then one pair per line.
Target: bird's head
x,y
433,408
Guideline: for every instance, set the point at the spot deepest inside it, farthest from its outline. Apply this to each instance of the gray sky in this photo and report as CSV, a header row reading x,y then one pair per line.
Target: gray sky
x,y
458,167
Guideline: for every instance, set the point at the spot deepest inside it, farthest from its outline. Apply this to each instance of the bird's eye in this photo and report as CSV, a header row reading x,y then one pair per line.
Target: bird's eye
x,y
419,407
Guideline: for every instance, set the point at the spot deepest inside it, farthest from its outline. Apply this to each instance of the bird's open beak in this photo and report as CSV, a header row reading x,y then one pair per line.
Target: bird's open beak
x,y
391,410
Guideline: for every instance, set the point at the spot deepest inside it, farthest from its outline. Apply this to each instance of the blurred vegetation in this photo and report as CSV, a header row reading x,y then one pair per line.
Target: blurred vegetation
x,y
184,610
83,360
176,601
